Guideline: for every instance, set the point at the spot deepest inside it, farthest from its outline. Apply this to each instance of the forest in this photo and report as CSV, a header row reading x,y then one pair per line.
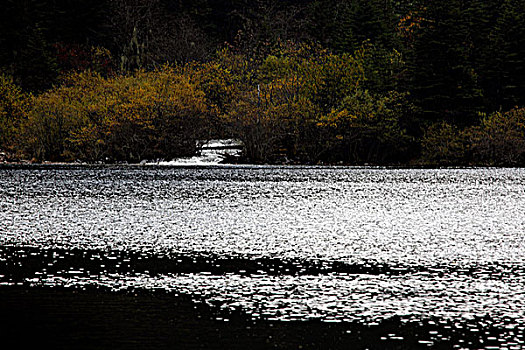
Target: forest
x,y
383,82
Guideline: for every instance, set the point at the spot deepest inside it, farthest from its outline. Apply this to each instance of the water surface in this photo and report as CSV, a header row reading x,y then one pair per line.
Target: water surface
x,y
349,245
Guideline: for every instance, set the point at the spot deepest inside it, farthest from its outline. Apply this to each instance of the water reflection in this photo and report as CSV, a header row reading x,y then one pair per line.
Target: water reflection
x,y
282,244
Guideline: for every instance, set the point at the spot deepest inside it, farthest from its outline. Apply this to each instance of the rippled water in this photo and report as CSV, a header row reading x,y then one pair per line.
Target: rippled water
x,y
281,243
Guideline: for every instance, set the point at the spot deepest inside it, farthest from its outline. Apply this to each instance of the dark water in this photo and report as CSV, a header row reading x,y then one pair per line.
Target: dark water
x,y
402,257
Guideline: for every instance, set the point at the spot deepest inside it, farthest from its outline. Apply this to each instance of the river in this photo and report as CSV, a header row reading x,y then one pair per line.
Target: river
x,y
441,249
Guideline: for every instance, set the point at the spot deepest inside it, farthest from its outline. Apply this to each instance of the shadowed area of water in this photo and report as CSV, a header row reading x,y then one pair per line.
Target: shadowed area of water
x,y
437,251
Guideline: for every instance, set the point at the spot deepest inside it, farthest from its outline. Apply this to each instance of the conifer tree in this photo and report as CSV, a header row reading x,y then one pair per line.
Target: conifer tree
x,y
443,79
508,69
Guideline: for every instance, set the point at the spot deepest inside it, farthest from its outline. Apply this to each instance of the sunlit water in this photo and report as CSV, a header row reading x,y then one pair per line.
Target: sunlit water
x,y
212,152
280,243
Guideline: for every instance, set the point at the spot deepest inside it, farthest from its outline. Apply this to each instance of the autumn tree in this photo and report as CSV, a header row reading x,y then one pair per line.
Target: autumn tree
x,y
13,104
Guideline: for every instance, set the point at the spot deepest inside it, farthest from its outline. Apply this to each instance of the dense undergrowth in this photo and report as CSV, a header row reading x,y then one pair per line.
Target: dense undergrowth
x,y
300,103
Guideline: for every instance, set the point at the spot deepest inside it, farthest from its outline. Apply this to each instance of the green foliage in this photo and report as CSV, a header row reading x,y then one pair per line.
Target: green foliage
x,y
500,139
310,105
444,144
366,128
277,116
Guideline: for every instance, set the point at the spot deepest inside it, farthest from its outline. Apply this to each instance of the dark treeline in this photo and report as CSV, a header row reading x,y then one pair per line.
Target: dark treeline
x,y
310,81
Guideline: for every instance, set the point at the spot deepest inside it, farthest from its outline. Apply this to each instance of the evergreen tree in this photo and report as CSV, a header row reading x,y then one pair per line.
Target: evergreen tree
x,y
345,25
507,69
25,52
482,16
443,79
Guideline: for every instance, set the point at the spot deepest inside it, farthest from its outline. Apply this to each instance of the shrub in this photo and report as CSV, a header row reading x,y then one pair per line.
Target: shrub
x,y
13,105
500,139
158,114
444,144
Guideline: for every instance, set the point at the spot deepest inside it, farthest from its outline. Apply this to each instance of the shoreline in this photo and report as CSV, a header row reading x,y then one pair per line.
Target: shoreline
x,y
242,162
29,164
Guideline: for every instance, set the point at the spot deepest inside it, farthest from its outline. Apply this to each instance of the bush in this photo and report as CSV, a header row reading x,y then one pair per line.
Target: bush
x,y
500,139
366,128
13,105
444,144
158,114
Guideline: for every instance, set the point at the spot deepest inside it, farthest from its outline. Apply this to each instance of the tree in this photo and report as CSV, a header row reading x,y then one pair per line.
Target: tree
x,y
345,25
444,144
500,139
147,115
367,128
505,61
444,83
13,105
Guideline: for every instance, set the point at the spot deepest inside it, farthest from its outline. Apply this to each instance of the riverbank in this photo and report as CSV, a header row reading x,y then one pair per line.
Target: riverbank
x,y
233,160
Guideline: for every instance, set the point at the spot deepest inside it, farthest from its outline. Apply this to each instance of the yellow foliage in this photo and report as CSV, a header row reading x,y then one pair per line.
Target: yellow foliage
x,y
300,99
127,114
13,104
